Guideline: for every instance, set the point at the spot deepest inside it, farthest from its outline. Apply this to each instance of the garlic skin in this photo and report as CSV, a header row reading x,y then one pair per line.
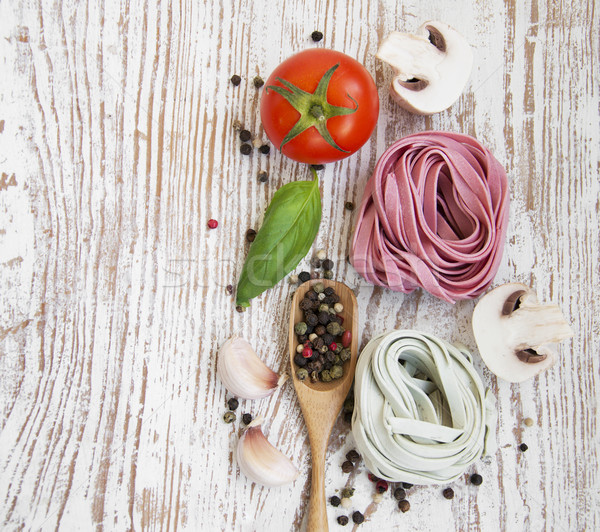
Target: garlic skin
x,y
260,461
243,373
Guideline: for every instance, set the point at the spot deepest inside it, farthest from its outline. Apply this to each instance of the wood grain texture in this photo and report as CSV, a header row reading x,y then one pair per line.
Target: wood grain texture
x,y
117,145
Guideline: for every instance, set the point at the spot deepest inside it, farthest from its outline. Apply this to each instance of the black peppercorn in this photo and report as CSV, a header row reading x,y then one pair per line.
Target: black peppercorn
x,y
312,295
353,456
247,419
235,80
358,518
327,338
258,82
311,319
265,148
316,36
327,265
399,494
349,206
305,304
347,466
245,149
229,289
304,276
329,291
335,501
448,493
245,135
523,447
263,176
299,360
233,403
406,485
404,505
320,330
476,479
342,520
324,318
302,338
250,235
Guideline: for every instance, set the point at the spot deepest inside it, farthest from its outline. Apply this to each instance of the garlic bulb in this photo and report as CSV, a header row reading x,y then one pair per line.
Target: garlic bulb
x,y
260,461
243,373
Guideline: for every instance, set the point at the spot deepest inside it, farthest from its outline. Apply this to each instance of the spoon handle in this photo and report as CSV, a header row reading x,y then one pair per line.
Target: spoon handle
x,y
317,512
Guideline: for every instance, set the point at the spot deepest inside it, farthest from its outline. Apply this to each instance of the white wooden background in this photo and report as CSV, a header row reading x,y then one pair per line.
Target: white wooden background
x,y
117,146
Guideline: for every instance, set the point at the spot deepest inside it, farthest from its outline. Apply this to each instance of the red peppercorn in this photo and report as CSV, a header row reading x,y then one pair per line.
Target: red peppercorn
x,y
381,486
307,352
333,346
346,338
373,478
212,224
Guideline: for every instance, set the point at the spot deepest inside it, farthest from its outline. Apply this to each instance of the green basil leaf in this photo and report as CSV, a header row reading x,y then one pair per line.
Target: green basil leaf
x,y
288,231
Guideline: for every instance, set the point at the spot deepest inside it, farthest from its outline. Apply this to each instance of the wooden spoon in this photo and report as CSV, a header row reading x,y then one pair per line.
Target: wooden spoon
x,y
321,402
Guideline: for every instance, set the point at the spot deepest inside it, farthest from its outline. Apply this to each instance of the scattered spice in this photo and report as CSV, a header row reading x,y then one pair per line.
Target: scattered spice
x,y
229,289
245,135
346,502
335,501
399,494
448,493
328,274
301,374
328,264
245,149
342,520
239,308
377,497
528,422
347,493
349,206
321,254
258,82
381,486
523,447
250,235
358,518
235,80
304,276
476,479
293,279
247,418
315,263
404,506
212,224
317,166
233,403
265,148
229,417
347,466
263,176
316,36
406,485
237,125
353,456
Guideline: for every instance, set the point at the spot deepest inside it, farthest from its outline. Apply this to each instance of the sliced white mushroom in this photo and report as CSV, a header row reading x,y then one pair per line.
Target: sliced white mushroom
x,y
512,331
432,67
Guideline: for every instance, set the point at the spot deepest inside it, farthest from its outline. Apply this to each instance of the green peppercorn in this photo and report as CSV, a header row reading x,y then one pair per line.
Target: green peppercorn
x,y
258,82
325,376
347,492
333,328
319,287
345,354
300,328
229,417
338,348
301,374
336,372
328,274
323,307
337,361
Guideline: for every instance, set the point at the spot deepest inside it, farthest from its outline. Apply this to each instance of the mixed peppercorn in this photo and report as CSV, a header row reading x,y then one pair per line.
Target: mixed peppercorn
x,y
323,344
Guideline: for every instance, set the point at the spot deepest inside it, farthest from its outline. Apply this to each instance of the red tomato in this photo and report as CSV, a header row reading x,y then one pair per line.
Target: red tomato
x,y
339,103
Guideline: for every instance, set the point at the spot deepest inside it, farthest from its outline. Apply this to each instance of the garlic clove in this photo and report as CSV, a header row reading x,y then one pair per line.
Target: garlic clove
x,y
260,461
243,373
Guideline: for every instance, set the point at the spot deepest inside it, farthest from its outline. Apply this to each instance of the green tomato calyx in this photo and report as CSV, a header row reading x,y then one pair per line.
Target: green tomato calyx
x,y
314,108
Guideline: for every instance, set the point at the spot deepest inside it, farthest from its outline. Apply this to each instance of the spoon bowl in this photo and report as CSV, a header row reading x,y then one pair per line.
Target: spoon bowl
x,y
321,402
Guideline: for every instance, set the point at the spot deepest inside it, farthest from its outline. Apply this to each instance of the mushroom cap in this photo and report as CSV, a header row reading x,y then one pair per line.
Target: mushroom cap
x,y
432,67
512,329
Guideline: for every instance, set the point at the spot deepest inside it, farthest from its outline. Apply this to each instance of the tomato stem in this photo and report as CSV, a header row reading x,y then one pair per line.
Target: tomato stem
x,y
314,108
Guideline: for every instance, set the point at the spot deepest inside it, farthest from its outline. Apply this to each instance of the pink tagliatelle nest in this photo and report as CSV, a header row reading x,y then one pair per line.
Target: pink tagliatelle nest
x,y
433,215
